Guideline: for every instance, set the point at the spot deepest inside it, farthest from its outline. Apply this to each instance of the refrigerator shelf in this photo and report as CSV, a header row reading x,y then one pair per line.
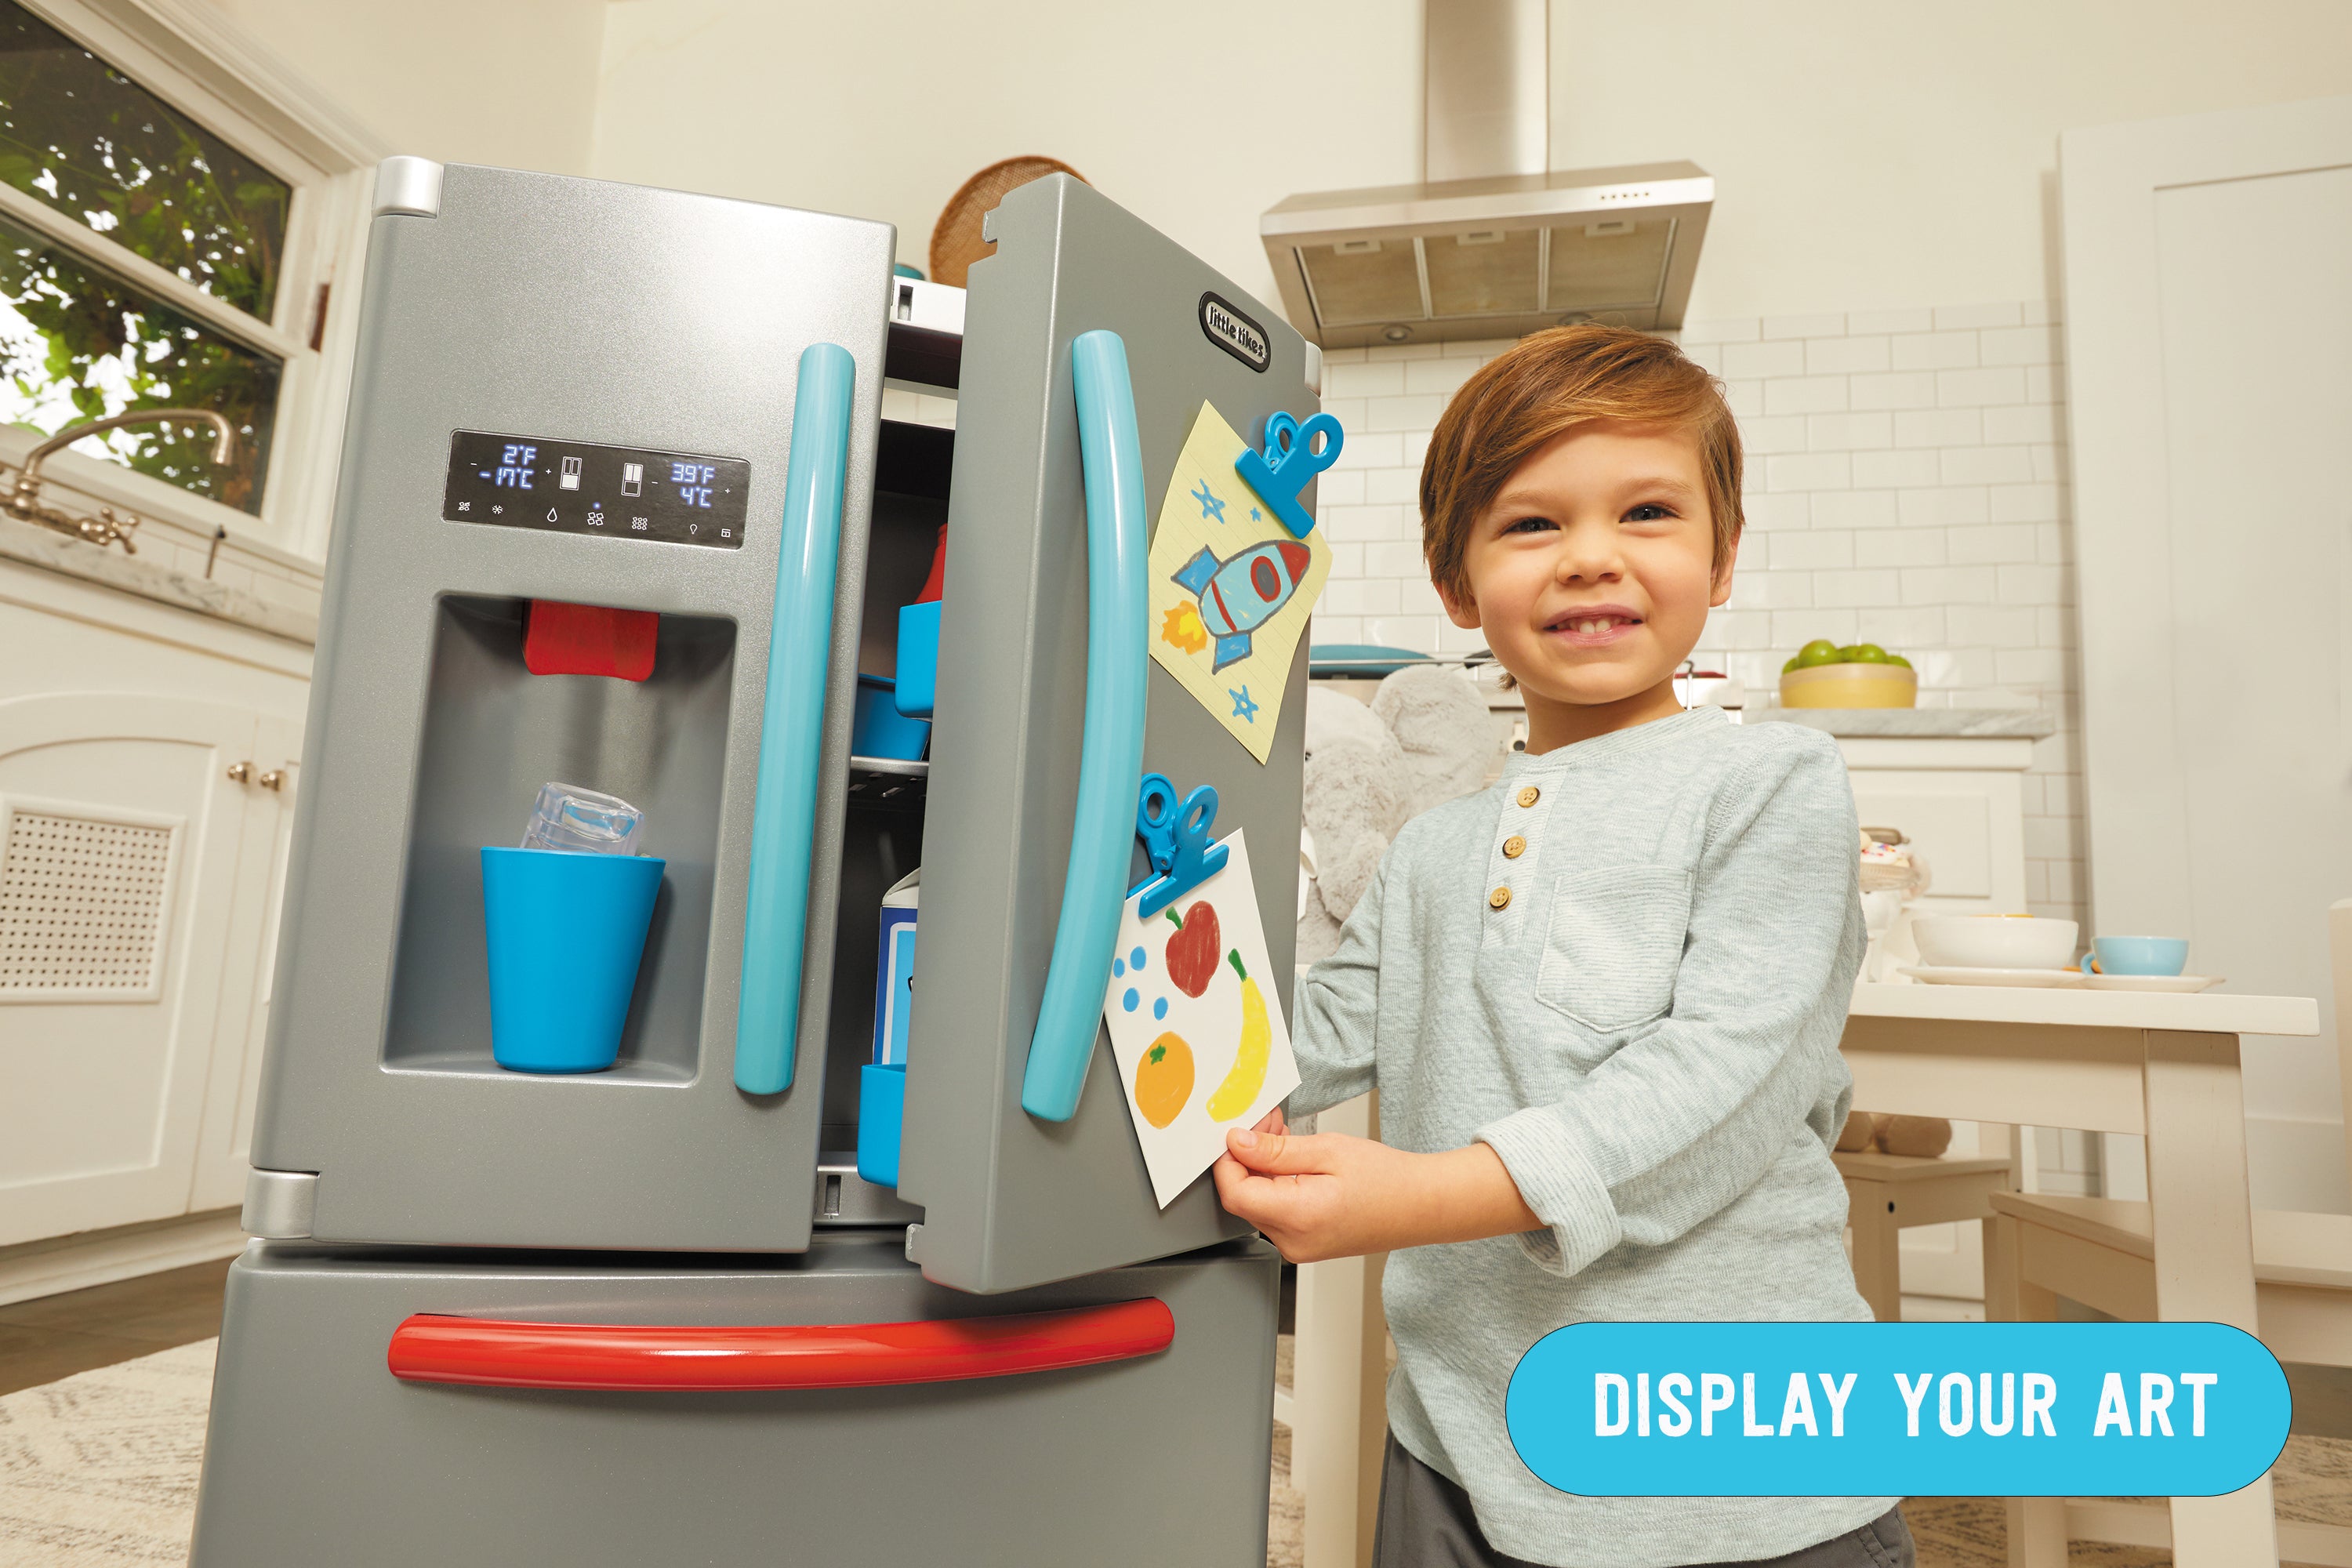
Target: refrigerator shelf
x,y
886,780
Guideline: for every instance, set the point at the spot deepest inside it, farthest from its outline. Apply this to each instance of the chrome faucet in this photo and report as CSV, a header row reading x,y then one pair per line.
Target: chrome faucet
x,y
106,527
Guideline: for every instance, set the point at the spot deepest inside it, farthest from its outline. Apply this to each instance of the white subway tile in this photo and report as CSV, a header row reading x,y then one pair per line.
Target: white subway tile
x,y
1743,360
1362,596
1771,513
1385,379
2030,667
1402,413
2026,424
1792,629
1346,356
1763,438
1932,351
2019,345
1950,587
1365,448
1894,470
1738,629
1994,544
1956,506
1810,471
1453,639
1769,590
1335,628
2045,383
2057,753
1980,388
2042,312
1480,349
1744,398
1347,559
1811,550
1991,626
1894,389
2066,882
1439,376
1417,596
1355,525
1854,509
1743,330
1845,356
2054,543
1392,486
1393,558
1804,327
1986,464
1902,631
1899,547
1805,394
1419,632
2054,625
1350,413
1938,427
1857,588
2050,465
1948,317
2036,584
2027,503
2037,890
1848,432
1339,488
1860,322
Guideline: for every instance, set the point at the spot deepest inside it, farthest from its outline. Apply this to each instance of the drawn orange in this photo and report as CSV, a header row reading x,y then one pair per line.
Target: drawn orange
x,y
1163,1080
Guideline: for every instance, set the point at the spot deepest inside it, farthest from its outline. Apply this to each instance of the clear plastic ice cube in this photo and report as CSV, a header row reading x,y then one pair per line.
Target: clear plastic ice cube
x,y
582,822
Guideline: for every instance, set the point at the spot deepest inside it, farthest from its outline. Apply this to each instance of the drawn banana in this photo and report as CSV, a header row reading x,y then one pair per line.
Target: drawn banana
x,y
1240,1089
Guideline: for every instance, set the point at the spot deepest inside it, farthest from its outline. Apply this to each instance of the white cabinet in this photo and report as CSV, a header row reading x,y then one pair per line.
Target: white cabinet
x,y
141,853
1961,799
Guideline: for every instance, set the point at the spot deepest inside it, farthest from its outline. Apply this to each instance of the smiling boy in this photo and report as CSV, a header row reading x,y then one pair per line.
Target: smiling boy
x,y
1601,1001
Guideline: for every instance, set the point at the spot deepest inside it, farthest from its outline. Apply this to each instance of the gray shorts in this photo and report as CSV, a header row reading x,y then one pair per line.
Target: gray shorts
x,y
1425,1522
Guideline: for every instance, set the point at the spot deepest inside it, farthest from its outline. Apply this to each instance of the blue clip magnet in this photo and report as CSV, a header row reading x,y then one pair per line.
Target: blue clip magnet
x,y
1176,838
1290,458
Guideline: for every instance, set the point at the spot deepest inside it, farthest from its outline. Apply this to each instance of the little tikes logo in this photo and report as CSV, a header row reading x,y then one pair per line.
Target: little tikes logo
x,y
1226,325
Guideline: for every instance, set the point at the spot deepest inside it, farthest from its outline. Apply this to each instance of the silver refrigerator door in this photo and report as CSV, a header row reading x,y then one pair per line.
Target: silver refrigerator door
x,y
1012,1199
634,330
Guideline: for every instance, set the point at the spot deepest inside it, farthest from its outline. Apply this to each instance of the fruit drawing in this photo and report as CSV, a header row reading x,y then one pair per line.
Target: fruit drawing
x,y
1248,1075
1163,1079
1192,951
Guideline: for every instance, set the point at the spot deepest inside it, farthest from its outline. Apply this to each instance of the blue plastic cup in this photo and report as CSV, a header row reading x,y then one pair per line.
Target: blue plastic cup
x,y
881,1111
2138,954
566,932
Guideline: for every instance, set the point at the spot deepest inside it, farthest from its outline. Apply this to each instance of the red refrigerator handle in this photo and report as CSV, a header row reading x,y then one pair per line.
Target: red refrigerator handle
x,y
488,1352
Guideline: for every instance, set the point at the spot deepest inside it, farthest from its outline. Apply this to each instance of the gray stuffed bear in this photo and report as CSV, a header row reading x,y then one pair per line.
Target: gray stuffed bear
x,y
1427,739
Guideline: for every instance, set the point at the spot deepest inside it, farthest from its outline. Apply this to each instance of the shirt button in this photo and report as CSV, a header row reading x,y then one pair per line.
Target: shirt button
x,y
1514,846
1498,897
1529,795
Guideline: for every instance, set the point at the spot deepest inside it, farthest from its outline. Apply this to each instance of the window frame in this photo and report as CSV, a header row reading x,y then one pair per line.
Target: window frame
x,y
210,70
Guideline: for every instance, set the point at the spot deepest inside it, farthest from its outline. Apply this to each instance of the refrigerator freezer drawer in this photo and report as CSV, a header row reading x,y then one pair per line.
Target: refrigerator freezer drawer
x,y
318,1453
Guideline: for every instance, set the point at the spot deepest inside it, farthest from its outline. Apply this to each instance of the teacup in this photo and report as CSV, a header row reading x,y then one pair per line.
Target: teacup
x,y
2137,955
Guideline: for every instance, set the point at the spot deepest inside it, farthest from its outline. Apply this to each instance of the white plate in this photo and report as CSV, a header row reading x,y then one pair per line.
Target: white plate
x,y
1947,975
2155,982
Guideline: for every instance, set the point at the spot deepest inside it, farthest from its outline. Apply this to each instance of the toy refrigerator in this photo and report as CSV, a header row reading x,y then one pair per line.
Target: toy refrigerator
x,y
618,509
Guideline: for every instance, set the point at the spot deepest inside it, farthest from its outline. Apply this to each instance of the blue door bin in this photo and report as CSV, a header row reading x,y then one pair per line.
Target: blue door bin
x,y
881,1103
918,658
566,932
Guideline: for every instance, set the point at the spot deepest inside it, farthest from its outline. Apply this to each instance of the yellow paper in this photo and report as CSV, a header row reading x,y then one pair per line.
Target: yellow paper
x,y
1230,589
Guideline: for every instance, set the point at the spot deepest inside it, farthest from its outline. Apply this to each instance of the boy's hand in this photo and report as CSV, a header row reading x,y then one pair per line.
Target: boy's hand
x,y
1325,1194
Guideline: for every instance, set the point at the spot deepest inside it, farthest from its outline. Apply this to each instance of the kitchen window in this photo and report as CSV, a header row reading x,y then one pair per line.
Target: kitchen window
x,y
170,221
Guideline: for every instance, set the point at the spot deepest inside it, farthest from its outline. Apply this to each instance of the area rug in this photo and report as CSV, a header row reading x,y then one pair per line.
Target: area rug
x,y
99,1469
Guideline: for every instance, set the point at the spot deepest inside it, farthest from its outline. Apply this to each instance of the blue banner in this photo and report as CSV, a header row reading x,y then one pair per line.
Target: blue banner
x,y
1898,1409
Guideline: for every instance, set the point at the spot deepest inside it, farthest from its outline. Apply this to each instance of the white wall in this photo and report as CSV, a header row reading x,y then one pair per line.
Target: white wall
x,y
1196,117
511,83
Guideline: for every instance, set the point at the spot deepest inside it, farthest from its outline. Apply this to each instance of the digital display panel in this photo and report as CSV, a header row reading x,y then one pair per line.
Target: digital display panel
x,y
578,486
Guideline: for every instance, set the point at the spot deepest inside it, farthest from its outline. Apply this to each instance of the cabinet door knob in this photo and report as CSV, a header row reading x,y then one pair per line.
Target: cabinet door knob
x,y
274,779
240,773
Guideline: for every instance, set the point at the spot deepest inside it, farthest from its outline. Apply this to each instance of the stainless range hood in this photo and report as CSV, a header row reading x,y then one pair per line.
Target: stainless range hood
x,y
1491,245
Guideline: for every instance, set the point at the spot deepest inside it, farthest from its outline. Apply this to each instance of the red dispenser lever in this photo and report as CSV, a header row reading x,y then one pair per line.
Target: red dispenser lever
x,y
589,639
486,1353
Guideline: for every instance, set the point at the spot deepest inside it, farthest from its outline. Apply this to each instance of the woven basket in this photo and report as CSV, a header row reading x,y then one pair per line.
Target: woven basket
x,y
955,239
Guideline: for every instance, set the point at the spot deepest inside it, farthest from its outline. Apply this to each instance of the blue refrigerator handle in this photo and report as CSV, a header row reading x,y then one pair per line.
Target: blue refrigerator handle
x,y
1111,757
792,723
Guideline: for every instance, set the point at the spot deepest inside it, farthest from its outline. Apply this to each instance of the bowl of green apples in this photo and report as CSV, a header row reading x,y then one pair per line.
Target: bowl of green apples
x,y
1859,675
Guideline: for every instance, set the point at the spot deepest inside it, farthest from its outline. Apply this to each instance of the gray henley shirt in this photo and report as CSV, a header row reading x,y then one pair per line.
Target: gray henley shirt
x,y
1625,968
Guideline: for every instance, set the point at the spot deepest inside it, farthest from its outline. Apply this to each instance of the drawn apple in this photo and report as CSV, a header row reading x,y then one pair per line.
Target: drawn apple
x,y
1193,951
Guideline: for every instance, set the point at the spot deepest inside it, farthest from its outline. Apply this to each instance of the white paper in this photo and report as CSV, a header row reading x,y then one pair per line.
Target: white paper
x,y
1149,1005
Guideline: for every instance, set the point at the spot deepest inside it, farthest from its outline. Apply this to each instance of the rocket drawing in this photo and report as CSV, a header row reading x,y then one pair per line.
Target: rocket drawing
x,y
1241,594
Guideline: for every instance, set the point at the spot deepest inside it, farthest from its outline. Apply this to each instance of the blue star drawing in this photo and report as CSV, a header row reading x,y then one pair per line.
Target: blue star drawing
x,y
1256,516
1210,507
1242,706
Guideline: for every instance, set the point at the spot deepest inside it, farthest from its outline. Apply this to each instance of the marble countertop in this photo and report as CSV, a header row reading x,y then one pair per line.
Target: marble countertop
x,y
37,546
1964,724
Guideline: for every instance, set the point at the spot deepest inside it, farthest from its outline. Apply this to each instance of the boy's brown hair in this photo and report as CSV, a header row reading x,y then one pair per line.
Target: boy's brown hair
x,y
1545,384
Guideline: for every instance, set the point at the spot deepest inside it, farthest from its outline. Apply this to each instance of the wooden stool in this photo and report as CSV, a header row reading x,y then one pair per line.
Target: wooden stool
x,y
1885,1193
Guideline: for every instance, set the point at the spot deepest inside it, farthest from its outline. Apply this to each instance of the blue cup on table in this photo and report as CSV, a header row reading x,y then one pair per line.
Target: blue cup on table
x,y
2137,955
566,932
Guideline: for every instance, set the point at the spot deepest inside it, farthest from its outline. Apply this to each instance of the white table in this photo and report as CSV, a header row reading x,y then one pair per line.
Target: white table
x,y
2164,1068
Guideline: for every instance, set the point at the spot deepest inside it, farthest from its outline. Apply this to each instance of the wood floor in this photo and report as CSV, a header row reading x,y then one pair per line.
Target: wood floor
x,y
52,1337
